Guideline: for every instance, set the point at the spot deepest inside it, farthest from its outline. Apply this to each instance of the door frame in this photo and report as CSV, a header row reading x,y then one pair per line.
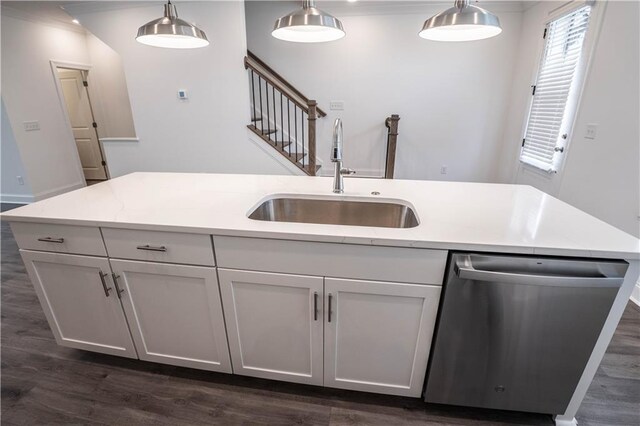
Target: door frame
x,y
55,64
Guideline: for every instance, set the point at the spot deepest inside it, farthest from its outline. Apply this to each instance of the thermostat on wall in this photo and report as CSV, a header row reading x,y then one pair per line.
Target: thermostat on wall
x,y
182,95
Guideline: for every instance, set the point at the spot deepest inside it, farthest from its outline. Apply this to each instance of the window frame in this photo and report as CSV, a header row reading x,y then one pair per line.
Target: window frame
x,y
572,107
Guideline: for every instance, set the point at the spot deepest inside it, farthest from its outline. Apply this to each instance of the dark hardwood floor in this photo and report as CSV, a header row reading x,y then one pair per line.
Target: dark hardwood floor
x,y
45,384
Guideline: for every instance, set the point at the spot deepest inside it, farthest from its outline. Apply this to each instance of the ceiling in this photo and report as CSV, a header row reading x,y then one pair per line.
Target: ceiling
x,y
46,12
53,12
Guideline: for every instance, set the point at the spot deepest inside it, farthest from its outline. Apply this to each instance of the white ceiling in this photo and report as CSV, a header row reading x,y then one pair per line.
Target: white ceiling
x,y
46,12
53,12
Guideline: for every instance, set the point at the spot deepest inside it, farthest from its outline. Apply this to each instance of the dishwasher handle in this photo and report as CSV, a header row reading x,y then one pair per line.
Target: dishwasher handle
x,y
465,271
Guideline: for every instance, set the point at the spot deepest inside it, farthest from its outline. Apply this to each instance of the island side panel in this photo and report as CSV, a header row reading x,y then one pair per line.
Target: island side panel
x,y
617,309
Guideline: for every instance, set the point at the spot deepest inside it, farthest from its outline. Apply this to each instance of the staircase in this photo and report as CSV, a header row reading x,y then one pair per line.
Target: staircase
x,y
282,116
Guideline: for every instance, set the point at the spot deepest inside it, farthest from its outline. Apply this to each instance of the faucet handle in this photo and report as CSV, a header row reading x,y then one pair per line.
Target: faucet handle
x,y
347,171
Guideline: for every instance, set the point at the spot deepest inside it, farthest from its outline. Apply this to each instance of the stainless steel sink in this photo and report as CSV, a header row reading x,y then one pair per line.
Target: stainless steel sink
x,y
336,212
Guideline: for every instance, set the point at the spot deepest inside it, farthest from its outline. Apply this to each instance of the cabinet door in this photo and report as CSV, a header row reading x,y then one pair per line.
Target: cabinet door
x,y
81,305
175,313
378,335
275,331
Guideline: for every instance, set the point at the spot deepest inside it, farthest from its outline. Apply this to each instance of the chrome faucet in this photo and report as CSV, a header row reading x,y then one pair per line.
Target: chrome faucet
x,y
336,157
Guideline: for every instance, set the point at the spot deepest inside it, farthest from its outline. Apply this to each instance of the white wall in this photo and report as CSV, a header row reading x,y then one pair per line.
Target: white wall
x,y
451,97
11,191
208,132
29,93
602,176
108,89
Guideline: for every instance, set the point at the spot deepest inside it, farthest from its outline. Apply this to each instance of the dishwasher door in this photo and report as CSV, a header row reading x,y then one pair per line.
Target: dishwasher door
x,y
515,332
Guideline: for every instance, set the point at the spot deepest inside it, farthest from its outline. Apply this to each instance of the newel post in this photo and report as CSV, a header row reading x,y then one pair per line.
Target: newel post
x,y
312,116
392,140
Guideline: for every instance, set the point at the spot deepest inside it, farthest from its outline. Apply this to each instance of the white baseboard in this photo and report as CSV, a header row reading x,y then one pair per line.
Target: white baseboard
x,y
563,421
635,295
129,139
16,199
57,191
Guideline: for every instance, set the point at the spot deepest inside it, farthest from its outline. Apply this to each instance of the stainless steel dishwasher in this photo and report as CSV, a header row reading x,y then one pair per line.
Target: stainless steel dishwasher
x,y
515,332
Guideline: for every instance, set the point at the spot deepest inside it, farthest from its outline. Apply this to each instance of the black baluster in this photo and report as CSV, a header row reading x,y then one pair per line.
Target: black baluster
x,y
302,125
289,123
295,124
275,116
261,116
266,87
281,121
253,98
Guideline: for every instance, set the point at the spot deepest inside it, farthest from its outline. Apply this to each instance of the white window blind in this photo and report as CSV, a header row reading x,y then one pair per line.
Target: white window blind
x,y
555,90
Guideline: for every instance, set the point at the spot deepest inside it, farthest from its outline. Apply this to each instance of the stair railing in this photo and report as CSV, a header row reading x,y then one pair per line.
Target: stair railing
x,y
392,140
279,114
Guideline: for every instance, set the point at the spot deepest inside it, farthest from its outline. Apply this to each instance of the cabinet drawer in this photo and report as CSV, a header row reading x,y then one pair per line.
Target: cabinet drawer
x,y
155,246
59,238
409,265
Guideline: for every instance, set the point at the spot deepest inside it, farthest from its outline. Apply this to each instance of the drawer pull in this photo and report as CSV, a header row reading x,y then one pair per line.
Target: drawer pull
x,y
51,240
152,248
104,283
119,290
329,310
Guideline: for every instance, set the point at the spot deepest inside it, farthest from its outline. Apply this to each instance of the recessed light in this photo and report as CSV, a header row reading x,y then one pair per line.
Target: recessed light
x,y
75,21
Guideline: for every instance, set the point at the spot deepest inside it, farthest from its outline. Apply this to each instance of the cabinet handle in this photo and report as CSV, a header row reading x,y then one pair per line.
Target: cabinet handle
x,y
119,290
329,310
51,240
315,306
104,283
152,248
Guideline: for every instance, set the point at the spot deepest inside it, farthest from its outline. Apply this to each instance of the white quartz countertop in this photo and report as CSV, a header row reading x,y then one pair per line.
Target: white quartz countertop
x,y
452,215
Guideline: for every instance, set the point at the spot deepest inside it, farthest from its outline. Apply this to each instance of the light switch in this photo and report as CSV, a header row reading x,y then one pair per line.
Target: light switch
x,y
592,129
30,126
336,105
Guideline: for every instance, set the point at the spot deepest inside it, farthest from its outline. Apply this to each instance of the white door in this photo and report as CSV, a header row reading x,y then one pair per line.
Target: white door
x,y
544,181
378,335
80,302
175,313
80,115
275,325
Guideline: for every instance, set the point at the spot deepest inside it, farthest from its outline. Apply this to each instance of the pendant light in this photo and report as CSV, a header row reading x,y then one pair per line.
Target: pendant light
x,y
308,25
462,22
171,32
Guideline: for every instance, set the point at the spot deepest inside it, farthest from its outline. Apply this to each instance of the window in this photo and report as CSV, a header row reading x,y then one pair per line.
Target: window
x,y
555,92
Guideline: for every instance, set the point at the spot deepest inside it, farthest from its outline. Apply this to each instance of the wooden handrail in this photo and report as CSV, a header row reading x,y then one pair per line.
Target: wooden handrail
x,y
279,81
392,140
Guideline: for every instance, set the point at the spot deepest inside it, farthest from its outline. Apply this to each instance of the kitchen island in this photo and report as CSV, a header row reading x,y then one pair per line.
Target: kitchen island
x,y
170,268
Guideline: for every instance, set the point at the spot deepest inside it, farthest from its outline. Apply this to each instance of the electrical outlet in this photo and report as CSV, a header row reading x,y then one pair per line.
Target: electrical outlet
x,y
20,180
592,129
30,126
443,169
336,105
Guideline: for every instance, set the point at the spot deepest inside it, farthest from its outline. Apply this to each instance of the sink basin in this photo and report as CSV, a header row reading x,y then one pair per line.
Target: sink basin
x,y
336,212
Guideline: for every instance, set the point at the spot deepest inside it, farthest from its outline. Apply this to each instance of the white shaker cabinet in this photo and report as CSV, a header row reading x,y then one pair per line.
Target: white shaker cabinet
x,y
80,301
174,313
378,335
275,324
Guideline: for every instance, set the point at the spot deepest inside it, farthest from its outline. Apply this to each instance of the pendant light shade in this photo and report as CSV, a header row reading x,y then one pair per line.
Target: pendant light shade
x,y
462,22
308,25
171,32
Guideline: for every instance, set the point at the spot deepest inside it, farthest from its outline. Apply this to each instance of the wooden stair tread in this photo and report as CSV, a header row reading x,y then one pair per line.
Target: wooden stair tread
x,y
297,157
282,144
268,131
280,147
